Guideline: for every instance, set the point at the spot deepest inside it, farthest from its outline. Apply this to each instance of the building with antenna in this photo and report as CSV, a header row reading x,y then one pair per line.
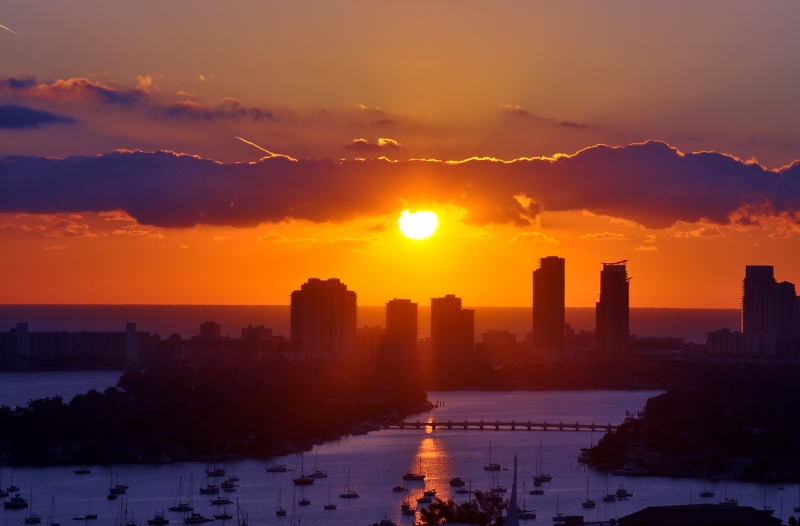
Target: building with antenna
x,y
612,311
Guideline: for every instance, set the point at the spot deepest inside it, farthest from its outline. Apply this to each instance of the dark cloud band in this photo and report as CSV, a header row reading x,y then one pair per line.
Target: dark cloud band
x,y
14,117
651,183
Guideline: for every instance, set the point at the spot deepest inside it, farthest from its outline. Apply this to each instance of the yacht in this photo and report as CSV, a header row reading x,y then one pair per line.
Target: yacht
x,y
622,493
303,479
196,518
223,516
83,470
457,482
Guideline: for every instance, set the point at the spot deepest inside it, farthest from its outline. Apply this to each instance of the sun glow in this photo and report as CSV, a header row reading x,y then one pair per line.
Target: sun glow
x,y
418,225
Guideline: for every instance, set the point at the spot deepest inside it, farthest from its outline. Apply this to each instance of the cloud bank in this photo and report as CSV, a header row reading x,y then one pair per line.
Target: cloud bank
x,y
650,183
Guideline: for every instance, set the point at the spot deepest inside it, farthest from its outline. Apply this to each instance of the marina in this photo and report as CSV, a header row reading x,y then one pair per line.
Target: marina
x,y
372,464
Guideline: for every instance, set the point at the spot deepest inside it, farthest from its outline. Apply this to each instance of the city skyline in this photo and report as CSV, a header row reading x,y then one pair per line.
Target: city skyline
x,y
151,156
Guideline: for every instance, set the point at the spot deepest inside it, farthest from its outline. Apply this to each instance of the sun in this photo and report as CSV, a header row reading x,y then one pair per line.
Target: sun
x,y
418,225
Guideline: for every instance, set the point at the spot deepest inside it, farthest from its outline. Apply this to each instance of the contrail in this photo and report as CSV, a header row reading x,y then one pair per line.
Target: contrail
x,y
11,30
271,154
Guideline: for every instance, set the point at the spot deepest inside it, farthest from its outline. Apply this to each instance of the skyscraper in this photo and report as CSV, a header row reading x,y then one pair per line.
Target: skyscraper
x,y
769,307
611,315
401,330
548,304
452,328
323,318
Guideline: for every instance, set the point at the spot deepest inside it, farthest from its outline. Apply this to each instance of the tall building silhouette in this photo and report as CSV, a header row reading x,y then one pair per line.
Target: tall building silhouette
x,y
452,328
323,318
401,330
770,307
611,315
548,304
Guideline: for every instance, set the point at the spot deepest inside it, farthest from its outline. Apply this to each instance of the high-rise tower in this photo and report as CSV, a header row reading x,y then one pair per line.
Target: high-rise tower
x,y
323,318
548,304
452,328
612,330
770,307
401,330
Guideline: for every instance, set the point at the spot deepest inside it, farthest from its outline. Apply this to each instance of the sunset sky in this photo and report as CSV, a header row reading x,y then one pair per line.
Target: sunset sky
x,y
224,152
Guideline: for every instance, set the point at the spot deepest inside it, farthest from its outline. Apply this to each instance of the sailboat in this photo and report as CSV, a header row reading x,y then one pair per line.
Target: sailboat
x,y
209,488
496,487
12,488
330,505
710,493
609,497
3,493
410,475
405,507
767,509
489,465
349,493
280,512
537,482
462,491
303,479
542,476
32,518
727,501
525,513
115,487
318,474
589,503
182,506
558,517
303,499
797,508
52,514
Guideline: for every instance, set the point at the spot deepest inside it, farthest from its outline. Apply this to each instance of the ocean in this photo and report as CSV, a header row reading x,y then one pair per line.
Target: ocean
x,y
690,324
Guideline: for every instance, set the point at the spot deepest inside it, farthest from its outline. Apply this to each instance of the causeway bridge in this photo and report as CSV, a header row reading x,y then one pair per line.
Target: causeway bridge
x,y
496,425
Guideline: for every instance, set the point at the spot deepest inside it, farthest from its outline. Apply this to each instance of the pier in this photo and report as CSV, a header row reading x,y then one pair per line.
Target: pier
x,y
497,425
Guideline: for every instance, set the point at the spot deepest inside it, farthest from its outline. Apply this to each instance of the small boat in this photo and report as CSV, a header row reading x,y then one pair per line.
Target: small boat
x,y
457,482
464,491
348,493
276,468
303,502
489,465
588,503
330,505
215,472
17,502
158,519
112,496
228,484
83,470
398,489
386,522
424,500
429,493
279,511
208,489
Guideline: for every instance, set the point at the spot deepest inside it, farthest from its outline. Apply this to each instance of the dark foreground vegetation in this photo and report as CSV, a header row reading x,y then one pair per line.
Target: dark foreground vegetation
x,y
740,423
183,413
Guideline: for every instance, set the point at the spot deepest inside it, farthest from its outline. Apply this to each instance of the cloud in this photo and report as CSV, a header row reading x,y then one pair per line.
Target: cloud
x,y
228,109
647,248
650,238
56,247
363,145
651,184
14,117
75,89
534,237
274,237
605,236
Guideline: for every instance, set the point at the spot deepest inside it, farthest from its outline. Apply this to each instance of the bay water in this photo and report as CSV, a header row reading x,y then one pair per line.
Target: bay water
x,y
374,463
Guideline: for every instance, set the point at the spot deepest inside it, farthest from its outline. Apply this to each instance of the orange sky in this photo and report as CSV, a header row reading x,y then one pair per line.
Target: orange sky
x,y
446,81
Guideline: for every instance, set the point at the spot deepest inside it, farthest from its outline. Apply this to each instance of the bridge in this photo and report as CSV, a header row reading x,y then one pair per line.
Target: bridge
x,y
497,425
